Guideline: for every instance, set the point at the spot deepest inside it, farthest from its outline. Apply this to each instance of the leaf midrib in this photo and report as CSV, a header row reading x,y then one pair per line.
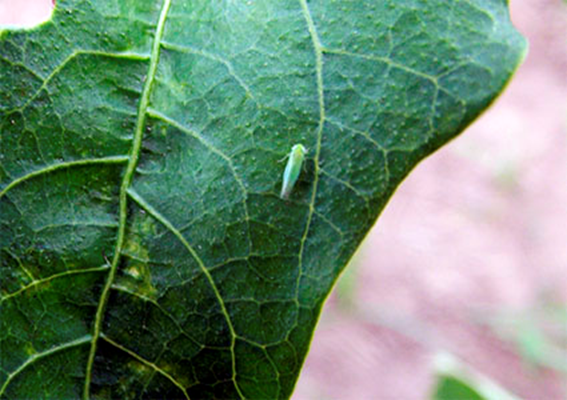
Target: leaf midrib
x,y
125,190
126,181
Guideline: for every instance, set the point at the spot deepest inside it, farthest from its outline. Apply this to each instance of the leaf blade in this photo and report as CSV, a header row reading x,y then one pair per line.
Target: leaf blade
x,y
235,86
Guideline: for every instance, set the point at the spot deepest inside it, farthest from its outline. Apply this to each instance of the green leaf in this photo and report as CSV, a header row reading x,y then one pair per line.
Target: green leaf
x,y
145,250
451,388
457,381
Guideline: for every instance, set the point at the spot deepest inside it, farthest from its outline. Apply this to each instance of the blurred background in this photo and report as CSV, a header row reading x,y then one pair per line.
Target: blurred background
x,y
470,255
461,286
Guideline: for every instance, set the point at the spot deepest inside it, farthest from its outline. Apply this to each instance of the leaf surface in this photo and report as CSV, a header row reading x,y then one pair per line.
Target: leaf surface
x,y
145,250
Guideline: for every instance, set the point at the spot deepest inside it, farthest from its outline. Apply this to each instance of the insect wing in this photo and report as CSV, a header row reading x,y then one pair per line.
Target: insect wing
x,y
292,170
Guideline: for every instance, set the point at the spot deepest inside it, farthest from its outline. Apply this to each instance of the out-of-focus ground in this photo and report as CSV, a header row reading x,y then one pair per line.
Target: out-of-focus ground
x,y
470,256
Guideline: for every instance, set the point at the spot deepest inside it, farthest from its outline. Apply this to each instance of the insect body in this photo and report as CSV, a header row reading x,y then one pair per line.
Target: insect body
x,y
292,170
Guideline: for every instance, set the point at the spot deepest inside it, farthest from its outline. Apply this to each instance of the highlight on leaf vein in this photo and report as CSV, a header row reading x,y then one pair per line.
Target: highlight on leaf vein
x,y
296,158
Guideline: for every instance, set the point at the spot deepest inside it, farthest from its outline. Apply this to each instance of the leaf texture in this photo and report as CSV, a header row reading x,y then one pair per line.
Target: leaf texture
x,y
144,248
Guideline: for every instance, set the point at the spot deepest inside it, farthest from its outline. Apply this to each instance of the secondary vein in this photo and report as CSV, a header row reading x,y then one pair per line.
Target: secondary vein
x,y
62,165
38,282
147,363
163,220
78,342
317,48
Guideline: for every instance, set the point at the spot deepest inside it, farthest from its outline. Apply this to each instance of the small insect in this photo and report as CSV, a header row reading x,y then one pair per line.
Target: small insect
x,y
295,160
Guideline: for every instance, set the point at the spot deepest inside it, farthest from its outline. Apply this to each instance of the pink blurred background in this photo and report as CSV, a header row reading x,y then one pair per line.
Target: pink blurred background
x,y
469,257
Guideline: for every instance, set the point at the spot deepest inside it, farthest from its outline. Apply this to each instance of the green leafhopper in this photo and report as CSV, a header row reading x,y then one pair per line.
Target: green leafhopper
x,y
292,170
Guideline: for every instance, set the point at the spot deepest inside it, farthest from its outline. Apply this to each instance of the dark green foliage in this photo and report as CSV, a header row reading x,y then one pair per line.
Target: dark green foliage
x,y
145,251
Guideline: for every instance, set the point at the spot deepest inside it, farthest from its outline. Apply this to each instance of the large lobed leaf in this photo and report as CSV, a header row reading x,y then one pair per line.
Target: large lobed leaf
x,y
145,251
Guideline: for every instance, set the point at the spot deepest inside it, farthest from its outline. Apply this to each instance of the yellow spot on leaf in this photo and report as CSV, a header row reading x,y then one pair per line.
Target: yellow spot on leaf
x,y
29,349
